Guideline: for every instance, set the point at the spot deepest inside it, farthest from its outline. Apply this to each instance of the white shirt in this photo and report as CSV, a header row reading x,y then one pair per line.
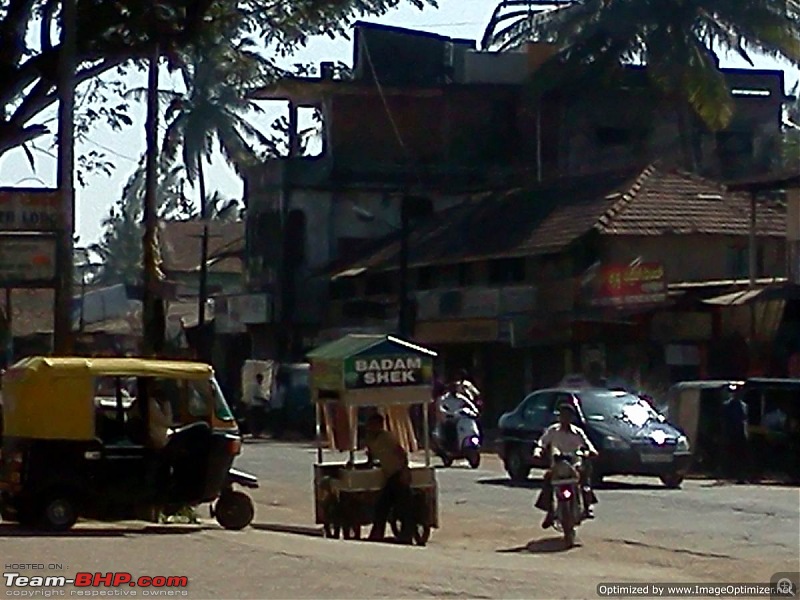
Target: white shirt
x,y
566,441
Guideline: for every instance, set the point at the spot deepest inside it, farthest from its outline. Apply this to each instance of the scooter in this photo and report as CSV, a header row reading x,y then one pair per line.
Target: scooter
x,y
568,496
461,418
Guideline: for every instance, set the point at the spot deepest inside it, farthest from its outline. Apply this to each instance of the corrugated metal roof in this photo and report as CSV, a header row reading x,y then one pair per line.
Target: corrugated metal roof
x,y
353,344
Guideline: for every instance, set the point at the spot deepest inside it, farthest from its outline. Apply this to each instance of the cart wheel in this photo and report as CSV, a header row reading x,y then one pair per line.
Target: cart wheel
x,y
234,510
422,533
351,532
331,530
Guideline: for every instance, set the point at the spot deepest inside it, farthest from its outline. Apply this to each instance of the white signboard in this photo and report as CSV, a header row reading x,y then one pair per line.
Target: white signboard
x,y
30,209
27,260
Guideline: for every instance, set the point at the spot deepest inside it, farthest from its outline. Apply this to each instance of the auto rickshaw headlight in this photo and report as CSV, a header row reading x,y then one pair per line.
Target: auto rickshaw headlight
x,y
682,444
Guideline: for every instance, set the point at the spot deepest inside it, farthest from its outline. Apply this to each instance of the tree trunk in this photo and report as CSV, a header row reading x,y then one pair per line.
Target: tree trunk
x,y
152,309
203,296
62,321
685,136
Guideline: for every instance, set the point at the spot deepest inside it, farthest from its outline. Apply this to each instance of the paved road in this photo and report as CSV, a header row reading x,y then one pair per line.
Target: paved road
x,y
490,544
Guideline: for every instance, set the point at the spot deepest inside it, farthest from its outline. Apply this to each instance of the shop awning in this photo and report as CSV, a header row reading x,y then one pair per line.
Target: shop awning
x,y
735,299
768,294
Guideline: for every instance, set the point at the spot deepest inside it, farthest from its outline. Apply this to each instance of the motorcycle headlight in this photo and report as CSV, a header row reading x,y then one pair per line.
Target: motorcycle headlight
x,y
613,442
682,445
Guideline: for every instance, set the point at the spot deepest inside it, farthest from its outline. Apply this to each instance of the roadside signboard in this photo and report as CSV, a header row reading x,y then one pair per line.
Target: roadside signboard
x,y
30,209
628,285
27,260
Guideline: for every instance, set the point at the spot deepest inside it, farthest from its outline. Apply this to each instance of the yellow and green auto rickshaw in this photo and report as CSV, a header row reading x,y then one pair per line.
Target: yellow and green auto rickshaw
x,y
117,438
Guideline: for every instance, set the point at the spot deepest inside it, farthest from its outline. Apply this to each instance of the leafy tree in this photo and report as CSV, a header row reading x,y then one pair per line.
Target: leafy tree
x,y
678,41
120,248
112,34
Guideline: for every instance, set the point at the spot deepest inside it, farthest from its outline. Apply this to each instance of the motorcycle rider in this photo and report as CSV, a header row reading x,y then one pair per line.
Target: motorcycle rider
x,y
566,438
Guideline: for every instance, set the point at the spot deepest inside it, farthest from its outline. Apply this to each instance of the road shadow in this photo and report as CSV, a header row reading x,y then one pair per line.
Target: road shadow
x,y
542,546
607,485
293,529
12,530
530,484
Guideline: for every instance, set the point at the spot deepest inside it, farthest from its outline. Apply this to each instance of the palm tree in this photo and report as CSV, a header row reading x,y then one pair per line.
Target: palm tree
x,y
212,113
678,41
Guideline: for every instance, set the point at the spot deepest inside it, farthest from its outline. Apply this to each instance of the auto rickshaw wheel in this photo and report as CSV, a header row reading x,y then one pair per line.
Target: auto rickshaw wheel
x,y
57,511
234,510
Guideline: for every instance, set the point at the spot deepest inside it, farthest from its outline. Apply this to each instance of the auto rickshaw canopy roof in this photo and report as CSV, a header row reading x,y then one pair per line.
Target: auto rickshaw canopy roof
x,y
46,366
372,370
54,398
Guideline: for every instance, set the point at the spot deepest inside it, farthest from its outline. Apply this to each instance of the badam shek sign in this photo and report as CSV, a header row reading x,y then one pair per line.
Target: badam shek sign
x,y
388,371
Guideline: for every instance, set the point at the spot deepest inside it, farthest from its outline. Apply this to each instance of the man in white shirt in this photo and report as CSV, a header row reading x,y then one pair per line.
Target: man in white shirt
x,y
565,438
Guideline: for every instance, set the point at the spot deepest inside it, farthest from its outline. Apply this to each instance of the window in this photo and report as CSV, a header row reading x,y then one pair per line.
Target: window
x,y
507,270
465,274
424,278
538,410
737,258
378,283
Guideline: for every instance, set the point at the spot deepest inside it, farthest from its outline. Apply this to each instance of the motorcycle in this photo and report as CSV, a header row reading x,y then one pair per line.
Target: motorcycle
x,y
459,436
568,496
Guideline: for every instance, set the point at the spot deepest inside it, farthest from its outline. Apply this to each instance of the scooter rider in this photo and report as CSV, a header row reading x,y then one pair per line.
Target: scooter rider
x,y
450,406
566,438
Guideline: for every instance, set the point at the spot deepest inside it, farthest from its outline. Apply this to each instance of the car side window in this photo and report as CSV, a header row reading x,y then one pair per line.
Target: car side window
x,y
538,409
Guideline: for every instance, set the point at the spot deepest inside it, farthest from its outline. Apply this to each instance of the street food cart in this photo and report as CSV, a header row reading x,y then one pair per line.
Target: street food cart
x,y
349,377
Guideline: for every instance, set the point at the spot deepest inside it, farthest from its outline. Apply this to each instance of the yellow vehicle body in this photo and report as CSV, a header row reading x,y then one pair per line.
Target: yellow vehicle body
x,y
52,398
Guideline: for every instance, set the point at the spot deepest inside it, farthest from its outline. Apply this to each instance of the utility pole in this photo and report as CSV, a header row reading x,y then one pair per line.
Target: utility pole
x,y
152,309
286,278
62,317
403,326
203,292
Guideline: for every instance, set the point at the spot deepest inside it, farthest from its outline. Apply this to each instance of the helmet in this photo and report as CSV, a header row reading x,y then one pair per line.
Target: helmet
x,y
567,407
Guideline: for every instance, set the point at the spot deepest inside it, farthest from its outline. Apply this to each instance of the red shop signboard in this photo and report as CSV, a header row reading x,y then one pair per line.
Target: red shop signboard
x,y
629,285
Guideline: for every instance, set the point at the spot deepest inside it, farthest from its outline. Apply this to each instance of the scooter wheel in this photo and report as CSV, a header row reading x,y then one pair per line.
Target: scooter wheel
x,y
447,461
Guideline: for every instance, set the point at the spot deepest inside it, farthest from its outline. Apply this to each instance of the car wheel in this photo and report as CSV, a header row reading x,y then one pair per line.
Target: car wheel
x,y
672,480
57,511
234,510
517,466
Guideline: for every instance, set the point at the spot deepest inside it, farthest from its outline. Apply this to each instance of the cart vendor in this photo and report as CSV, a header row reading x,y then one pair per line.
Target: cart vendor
x,y
383,446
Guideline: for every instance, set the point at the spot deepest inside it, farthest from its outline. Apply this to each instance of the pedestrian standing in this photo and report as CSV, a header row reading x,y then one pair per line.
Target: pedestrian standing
x,y
735,439
395,496
256,404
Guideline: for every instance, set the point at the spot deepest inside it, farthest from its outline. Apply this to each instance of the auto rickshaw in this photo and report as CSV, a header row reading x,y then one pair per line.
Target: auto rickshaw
x,y
369,372
78,441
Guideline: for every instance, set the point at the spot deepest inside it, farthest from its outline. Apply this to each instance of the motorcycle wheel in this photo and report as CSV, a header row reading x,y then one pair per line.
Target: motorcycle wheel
x,y
447,461
474,459
566,518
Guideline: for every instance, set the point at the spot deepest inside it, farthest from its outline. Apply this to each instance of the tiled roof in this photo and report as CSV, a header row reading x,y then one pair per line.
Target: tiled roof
x,y
180,245
546,219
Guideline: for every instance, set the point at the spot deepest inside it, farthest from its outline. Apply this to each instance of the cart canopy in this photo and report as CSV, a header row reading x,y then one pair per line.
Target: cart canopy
x,y
356,364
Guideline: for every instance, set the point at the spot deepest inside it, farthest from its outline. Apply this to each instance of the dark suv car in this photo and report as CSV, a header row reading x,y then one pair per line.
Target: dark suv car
x,y
632,438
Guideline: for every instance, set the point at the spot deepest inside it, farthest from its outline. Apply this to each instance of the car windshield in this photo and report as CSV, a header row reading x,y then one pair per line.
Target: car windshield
x,y
608,406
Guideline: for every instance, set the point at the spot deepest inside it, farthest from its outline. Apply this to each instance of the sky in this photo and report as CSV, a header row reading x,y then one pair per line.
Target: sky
x,y
455,18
